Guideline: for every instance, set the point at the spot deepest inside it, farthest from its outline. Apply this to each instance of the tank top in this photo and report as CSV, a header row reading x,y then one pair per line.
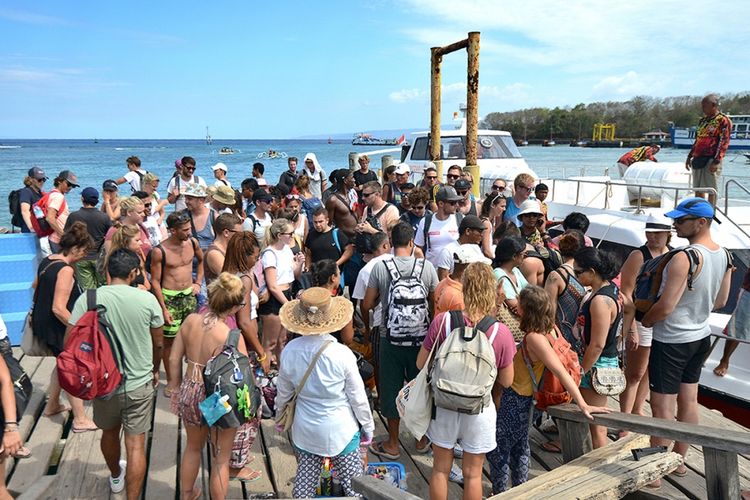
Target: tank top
x,y
522,384
584,320
207,273
44,322
394,194
205,236
568,304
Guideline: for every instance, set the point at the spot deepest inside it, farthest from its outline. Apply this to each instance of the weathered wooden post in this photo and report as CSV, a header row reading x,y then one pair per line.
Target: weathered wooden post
x,y
436,58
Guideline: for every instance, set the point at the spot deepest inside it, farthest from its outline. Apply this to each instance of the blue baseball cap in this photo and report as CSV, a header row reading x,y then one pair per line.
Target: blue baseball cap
x,y
696,207
90,195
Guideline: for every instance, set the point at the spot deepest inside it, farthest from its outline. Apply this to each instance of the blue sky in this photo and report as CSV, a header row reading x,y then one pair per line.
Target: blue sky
x,y
166,69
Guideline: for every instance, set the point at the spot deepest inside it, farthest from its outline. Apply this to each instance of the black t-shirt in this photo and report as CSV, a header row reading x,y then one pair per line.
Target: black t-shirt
x,y
323,246
27,195
97,223
361,178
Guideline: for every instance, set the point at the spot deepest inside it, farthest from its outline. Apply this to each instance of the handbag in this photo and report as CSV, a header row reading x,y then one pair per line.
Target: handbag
x,y
366,370
609,381
509,318
30,343
285,417
22,386
414,401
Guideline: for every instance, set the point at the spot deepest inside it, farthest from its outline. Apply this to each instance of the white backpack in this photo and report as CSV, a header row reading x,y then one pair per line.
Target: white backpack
x,y
408,314
464,368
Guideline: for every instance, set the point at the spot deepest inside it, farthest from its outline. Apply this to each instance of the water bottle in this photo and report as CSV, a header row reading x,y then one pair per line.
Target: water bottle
x,y
38,212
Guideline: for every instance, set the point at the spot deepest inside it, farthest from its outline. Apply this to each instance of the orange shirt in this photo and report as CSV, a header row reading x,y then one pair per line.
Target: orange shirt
x,y
449,296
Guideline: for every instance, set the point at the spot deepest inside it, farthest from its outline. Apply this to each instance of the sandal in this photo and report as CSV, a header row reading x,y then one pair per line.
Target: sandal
x,y
377,449
168,393
247,475
23,452
60,409
552,447
680,473
426,449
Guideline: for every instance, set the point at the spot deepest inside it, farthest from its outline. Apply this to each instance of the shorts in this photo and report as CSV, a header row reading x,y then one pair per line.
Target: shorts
x,y
645,335
396,366
673,364
739,323
475,433
272,306
703,178
180,305
602,362
131,409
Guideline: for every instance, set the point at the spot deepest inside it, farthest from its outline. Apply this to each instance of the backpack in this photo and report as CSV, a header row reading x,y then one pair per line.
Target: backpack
x,y
649,279
549,391
14,207
39,213
428,222
91,364
363,241
230,386
408,314
147,263
140,177
550,257
464,369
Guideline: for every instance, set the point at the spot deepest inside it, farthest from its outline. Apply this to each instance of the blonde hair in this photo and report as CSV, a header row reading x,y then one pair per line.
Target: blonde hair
x,y
274,230
466,174
129,204
149,179
121,239
479,284
536,310
225,293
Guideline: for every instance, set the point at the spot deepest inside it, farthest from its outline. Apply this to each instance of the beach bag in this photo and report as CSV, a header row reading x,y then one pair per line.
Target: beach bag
x,y
233,396
465,369
285,416
408,314
91,365
39,209
649,279
31,345
549,391
608,381
22,386
508,317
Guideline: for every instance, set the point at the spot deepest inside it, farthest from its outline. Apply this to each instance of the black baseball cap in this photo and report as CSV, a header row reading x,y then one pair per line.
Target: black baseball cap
x,y
69,177
109,185
37,173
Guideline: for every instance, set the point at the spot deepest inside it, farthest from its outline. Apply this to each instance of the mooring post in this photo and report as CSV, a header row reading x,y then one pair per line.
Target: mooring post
x,y
436,58
472,109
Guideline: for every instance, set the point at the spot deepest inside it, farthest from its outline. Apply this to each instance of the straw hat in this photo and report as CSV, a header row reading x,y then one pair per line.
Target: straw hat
x,y
222,194
316,313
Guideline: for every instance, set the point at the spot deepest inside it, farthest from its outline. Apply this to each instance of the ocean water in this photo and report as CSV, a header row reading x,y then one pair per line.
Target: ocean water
x,y
95,162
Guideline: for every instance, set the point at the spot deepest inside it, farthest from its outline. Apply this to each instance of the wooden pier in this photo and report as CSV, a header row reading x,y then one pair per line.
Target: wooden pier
x,y
68,465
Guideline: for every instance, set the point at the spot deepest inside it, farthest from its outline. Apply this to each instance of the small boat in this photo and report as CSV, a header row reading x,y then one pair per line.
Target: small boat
x,y
548,143
271,155
330,141
9,147
209,141
363,139
227,151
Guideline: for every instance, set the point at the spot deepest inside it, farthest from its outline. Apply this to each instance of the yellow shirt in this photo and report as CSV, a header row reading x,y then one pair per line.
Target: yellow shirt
x,y
522,384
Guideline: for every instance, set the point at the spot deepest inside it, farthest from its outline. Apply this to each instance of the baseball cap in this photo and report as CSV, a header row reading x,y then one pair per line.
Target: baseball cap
x,y
697,207
261,195
37,173
90,195
109,185
402,168
470,222
220,166
447,193
462,185
69,177
467,255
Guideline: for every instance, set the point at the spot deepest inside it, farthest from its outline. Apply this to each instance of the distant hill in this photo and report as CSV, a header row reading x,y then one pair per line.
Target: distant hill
x,y
381,134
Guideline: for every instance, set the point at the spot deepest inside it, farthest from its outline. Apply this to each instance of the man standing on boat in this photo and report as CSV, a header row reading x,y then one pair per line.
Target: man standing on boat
x,y
680,319
635,155
711,143
289,177
317,175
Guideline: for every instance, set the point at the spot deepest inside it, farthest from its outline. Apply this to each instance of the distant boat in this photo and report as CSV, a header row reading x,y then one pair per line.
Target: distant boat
x,y
227,151
271,154
363,139
548,142
209,141
9,147
330,141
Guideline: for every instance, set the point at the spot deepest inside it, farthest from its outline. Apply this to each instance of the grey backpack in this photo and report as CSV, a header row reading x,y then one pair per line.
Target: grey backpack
x,y
464,368
408,311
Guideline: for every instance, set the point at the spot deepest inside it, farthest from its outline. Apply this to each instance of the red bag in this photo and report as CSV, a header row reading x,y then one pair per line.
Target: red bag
x,y
549,391
39,209
91,363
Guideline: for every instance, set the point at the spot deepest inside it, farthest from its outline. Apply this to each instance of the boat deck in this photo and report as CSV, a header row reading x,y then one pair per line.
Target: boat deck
x,y
68,465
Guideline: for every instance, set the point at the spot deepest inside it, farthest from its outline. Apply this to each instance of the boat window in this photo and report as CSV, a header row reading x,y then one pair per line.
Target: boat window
x,y
496,146
453,148
419,152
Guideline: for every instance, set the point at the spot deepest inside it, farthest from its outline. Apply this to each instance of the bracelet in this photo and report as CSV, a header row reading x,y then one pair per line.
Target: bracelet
x,y
13,423
262,358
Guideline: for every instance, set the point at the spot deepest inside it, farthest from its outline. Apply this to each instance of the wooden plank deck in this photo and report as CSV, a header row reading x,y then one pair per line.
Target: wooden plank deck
x,y
81,472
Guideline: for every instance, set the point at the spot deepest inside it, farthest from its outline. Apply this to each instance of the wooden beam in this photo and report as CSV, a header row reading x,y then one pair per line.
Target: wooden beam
x,y
453,47
720,439
722,474
376,489
574,438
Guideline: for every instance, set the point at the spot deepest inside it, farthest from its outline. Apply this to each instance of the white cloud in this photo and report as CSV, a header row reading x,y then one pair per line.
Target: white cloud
x,y
627,85
407,95
23,16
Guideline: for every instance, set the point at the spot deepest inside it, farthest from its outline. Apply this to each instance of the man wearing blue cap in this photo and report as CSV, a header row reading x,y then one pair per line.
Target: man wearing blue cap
x,y
97,224
680,317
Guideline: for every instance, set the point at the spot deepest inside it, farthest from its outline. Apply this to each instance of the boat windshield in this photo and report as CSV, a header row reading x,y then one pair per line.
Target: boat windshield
x,y
489,147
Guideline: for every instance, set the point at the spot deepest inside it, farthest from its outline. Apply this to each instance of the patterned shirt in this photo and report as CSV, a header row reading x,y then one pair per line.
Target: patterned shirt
x,y
712,137
636,155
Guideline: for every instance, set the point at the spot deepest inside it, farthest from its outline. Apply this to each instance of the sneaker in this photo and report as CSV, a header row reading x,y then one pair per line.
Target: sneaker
x,y
117,484
456,475
458,452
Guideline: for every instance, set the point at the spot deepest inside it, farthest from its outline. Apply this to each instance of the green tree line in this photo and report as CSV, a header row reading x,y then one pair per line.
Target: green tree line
x,y
633,118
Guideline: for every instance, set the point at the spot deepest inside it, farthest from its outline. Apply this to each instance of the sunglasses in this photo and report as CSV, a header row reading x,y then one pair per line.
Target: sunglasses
x,y
189,168
431,177
292,197
451,202
451,176
498,188
462,193
682,220
147,205
286,234
526,188
365,195
420,207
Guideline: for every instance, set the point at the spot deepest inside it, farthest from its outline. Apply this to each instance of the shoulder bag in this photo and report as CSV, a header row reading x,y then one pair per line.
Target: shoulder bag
x,y
508,317
31,345
285,418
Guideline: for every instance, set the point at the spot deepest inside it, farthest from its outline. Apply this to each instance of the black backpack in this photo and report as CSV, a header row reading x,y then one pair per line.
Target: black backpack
x,y
550,257
363,241
14,206
428,222
230,374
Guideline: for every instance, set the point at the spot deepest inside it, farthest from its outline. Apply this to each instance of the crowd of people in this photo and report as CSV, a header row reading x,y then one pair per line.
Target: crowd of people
x,y
317,277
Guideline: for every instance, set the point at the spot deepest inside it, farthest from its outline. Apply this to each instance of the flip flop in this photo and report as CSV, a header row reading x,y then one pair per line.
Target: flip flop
x,y
426,448
167,392
23,452
79,430
377,449
552,447
680,473
61,409
247,475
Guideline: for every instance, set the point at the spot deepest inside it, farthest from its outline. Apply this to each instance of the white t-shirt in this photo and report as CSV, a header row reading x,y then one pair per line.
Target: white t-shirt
x,y
183,185
445,259
257,226
360,288
3,329
222,182
134,179
282,260
442,233
316,181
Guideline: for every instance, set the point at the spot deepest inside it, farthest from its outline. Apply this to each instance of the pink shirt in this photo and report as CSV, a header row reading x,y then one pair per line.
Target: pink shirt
x,y
503,345
57,201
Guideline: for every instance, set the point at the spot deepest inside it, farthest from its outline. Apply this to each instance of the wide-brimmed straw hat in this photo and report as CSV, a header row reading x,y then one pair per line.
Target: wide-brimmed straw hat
x,y
222,194
316,313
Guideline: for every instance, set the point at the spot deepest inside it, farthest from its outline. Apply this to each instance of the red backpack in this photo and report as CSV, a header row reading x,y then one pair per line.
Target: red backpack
x,y
91,364
549,391
39,209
